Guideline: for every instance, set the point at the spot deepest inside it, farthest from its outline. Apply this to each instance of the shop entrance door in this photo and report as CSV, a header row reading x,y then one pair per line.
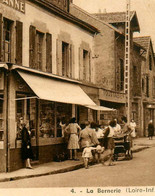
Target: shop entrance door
x,y
32,115
28,110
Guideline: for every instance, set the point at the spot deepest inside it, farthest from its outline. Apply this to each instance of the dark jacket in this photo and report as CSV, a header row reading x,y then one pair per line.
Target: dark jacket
x,y
26,145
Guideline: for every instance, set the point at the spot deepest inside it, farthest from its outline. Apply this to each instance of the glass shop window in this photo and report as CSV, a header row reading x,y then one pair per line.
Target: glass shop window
x,y
47,119
31,116
63,115
25,110
19,116
52,116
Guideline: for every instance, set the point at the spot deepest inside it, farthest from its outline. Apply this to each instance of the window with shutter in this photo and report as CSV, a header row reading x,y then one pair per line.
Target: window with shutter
x,y
70,60
39,50
32,45
7,31
90,68
65,59
80,63
85,65
19,40
59,57
48,52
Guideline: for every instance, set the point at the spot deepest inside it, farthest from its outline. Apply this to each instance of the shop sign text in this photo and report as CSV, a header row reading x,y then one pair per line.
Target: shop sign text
x,y
15,4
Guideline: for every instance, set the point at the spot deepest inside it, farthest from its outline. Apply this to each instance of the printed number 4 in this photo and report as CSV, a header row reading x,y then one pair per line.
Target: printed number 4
x,y
72,190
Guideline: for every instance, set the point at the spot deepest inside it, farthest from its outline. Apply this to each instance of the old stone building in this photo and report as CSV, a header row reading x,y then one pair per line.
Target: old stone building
x,y
46,69
147,81
109,51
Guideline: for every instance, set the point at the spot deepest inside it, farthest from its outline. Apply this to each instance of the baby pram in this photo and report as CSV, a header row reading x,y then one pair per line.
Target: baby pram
x,y
123,146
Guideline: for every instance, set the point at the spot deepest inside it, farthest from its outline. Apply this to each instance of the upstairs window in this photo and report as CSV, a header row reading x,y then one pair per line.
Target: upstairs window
x,y
65,59
85,64
40,50
7,30
150,62
11,40
147,86
143,85
39,44
121,74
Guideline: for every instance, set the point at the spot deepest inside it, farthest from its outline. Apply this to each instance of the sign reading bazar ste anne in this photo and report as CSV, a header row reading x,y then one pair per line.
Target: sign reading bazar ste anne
x,y
15,4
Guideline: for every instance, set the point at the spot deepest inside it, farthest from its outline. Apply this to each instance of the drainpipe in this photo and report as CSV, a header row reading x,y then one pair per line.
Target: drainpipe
x,y
7,118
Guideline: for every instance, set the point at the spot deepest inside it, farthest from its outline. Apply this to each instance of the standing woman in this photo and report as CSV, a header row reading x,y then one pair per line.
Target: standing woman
x,y
26,146
109,143
150,130
73,143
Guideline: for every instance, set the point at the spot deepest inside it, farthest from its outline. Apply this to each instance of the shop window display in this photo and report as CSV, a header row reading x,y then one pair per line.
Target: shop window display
x,y
51,114
48,119
26,109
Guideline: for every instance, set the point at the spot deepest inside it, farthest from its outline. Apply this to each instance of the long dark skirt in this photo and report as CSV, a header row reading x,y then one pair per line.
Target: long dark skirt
x,y
27,152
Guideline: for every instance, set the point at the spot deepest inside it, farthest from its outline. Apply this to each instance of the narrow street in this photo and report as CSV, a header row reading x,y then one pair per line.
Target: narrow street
x,y
138,172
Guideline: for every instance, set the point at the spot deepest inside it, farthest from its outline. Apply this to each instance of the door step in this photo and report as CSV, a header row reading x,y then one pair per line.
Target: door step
x,y
36,162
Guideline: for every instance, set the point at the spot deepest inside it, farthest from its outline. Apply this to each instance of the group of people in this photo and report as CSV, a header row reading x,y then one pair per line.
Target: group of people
x,y
96,143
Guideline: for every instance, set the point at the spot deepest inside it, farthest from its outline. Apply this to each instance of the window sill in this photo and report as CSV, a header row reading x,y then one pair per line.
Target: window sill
x,y
50,141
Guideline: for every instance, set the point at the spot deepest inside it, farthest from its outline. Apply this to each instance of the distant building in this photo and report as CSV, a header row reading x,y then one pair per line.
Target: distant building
x,y
109,50
147,81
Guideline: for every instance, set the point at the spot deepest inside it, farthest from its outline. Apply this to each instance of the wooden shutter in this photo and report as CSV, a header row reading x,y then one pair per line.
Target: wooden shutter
x,y
48,52
1,37
19,42
72,61
90,72
32,45
80,63
59,57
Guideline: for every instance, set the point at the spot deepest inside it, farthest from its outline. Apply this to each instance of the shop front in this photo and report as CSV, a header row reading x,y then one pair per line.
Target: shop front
x,y
149,114
3,104
43,101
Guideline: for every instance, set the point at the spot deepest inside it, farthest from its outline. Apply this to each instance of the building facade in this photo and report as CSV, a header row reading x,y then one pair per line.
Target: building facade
x,y
109,50
46,66
147,82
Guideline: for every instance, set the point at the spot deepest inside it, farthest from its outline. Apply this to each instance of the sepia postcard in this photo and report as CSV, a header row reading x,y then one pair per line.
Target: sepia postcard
x,y
77,97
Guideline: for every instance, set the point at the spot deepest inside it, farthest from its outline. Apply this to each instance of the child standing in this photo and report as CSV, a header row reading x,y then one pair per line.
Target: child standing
x,y
87,154
98,153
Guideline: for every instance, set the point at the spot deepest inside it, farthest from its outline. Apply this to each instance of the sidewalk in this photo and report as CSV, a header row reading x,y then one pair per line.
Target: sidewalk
x,y
65,166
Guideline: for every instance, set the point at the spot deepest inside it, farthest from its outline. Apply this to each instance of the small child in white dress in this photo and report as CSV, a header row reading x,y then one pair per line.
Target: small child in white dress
x,y
87,154
98,153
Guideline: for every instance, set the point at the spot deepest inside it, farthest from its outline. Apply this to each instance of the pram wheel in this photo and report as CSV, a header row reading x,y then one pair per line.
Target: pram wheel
x,y
115,157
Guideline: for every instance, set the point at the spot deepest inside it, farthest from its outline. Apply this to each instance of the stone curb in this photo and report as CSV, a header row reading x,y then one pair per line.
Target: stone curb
x,y
67,169
140,149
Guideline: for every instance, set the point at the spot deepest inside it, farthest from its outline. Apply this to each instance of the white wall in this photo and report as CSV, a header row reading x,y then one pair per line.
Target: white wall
x,y
48,22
